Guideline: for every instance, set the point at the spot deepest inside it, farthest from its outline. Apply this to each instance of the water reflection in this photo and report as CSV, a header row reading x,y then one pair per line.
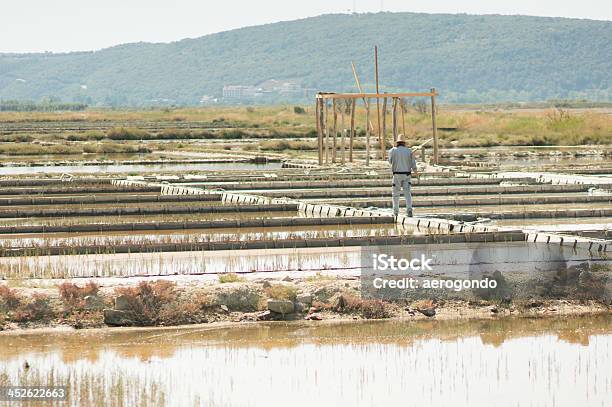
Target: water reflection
x,y
510,362
206,235
140,168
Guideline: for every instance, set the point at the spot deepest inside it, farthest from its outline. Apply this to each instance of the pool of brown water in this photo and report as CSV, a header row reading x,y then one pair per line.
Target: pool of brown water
x,y
506,362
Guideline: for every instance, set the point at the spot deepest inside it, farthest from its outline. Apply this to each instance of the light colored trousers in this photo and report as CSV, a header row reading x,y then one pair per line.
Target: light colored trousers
x,y
401,181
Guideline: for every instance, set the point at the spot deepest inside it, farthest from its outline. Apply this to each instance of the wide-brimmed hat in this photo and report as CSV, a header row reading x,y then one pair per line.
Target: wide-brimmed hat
x,y
400,139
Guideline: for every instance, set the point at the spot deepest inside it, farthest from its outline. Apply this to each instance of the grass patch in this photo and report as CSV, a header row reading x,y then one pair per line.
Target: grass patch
x,y
127,133
282,292
319,277
231,278
113,148
71,149
468,128
281,145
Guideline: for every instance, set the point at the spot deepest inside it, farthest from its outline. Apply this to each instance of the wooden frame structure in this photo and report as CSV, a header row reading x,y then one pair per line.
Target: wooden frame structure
x,y
327,124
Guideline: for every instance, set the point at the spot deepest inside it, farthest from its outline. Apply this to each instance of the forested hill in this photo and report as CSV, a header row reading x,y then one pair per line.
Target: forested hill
x,y
468,58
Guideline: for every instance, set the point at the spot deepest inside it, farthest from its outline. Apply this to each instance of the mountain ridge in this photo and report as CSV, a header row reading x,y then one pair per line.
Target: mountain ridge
x,y
480,58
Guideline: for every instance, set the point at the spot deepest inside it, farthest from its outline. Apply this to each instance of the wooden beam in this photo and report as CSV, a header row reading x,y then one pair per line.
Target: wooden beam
x,y
380,135
402,106
326,126
372,95
319,114
436,152
356,78
352,136
342,134
367,133
394,118
384,124
335,130
359,88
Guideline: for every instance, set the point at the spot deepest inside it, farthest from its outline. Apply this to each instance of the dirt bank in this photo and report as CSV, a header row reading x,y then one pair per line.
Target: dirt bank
x,y
233,300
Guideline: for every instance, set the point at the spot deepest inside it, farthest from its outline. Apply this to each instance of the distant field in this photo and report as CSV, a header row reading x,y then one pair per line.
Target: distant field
x,y
286,129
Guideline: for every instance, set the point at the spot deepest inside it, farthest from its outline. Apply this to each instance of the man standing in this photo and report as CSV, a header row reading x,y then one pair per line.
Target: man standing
x,y
403,166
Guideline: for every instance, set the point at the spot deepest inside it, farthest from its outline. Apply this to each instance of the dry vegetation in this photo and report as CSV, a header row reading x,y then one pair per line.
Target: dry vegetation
x,y
160,303
277,129
19,308
366,308
27,148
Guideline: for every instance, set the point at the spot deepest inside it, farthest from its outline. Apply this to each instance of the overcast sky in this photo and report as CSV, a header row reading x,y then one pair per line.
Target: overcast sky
x,y
71,25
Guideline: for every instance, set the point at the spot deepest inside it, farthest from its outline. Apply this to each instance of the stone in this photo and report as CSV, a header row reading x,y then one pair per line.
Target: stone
x,y
264,316
281,306
287,279
93,302
340,303
122,303
266,284
301,307
428,312
585,277
238,297
224,308
313,317
535,304
113,317
324,294
305,299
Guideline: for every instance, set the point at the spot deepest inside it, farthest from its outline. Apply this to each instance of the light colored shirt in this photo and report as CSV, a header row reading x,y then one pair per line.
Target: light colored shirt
x,y
402,159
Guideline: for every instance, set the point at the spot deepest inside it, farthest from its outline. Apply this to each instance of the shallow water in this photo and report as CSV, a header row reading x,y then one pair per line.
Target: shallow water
x,y
185,203
180,263
249,234
508,362
114,169
80,220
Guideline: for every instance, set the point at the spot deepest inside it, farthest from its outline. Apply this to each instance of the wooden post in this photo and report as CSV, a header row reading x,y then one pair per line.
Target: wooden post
x,y
352,136
436,152
359,88
402,106
367,133
335,129
326,127
394,119
343,131
384,123
380,136
319,132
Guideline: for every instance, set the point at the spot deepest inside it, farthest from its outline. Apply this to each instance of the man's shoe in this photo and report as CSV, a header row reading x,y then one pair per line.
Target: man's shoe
x,y
409,214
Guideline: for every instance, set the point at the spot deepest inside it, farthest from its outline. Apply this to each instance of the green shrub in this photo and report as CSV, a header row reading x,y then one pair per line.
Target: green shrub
x,y
230,278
